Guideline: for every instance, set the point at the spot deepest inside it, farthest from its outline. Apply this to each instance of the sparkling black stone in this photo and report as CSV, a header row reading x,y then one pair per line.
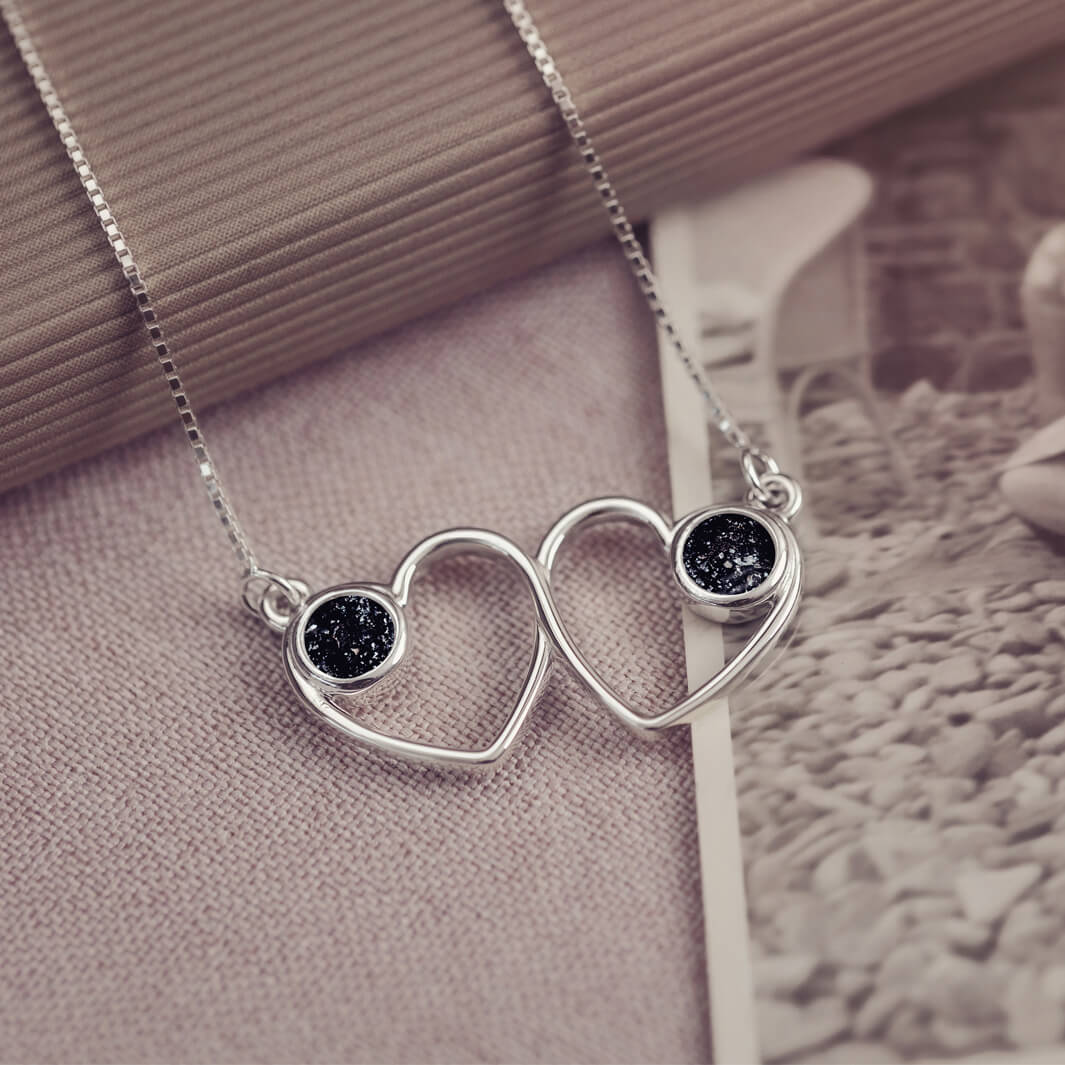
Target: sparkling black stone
x,y
349,635
729,553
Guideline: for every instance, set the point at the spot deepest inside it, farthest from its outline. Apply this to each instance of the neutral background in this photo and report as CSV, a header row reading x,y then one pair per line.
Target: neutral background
x,y
901,773
294,182
966,185
193,869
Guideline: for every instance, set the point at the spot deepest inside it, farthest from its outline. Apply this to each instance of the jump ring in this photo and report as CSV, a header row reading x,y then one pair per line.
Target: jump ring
x,y
275,599
783,495
757,466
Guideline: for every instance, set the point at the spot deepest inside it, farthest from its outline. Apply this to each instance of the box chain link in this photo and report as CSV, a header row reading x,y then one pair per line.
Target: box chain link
x,y
759,468
137,286
767,484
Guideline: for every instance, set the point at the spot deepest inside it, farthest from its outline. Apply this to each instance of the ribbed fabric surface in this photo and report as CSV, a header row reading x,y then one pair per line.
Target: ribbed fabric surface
x,y
296,176
194,870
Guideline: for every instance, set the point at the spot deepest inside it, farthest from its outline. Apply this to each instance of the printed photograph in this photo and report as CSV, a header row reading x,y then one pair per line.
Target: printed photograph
x,y
896,328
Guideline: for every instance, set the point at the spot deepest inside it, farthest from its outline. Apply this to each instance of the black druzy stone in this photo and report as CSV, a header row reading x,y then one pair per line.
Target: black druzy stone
x,y
349,635
729,553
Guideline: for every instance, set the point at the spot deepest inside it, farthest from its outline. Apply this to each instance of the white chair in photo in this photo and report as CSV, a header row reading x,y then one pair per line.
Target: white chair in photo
x,y
771,279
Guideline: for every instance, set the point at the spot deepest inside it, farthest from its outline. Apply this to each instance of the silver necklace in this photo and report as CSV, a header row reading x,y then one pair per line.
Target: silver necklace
x,y
731,562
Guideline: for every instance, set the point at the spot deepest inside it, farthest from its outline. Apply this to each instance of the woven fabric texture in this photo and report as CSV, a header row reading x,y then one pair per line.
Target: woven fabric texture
x,y
195,870
300,175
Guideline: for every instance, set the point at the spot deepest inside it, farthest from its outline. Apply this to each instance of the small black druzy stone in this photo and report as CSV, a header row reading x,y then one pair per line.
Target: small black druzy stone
x,y
729,553
349,635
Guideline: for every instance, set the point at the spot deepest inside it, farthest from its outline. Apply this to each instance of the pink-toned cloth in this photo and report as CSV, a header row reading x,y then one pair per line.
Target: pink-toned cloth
x,y
192,869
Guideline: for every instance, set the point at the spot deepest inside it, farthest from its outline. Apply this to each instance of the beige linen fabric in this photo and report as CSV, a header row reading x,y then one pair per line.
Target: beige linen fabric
x,y
192,869
296,176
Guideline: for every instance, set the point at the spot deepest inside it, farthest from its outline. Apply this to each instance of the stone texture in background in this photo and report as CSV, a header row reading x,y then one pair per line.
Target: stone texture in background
x,y
901,770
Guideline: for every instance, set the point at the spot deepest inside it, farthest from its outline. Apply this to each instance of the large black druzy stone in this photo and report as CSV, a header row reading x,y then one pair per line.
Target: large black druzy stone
x,y
728,554
349,635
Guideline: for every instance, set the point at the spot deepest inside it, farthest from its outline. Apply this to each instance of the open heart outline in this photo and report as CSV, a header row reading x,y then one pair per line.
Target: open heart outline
x,y
780,593
318,691
777,597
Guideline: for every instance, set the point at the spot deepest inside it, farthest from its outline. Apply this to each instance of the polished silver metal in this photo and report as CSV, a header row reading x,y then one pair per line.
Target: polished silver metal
x,y
778,492
744,606
776,598
295,646
755,462
779,600
273,598
324,695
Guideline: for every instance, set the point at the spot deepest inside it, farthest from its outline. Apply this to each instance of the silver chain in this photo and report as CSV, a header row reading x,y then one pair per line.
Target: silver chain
x,y
208,471
768,484
761,471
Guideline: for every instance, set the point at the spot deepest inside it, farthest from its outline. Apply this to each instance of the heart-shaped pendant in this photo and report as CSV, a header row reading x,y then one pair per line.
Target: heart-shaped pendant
x,y
733,564
345,639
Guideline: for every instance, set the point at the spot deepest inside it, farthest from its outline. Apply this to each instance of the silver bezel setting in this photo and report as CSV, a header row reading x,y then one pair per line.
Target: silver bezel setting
x,y
297,651
774,600
743,606
777,598
319,692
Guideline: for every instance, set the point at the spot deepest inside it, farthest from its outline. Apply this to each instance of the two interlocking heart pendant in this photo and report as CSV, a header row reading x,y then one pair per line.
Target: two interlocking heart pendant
x,y
732,564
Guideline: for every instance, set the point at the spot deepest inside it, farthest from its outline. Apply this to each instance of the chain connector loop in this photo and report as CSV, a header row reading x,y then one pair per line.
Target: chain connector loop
x,y
783,495
757,466
273,599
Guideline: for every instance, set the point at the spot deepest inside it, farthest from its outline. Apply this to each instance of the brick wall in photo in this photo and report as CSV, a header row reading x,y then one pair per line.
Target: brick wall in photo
x,y
966,185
